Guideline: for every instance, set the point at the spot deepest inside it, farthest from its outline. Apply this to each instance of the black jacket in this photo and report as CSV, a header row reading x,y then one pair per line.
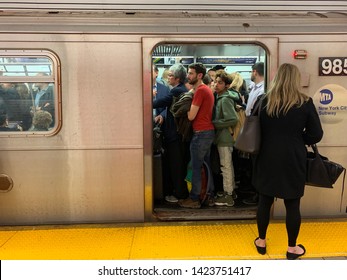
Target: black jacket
x,y
279,169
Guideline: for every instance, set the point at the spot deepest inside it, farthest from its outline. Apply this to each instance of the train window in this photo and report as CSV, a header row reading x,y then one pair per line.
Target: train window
x,y
29,92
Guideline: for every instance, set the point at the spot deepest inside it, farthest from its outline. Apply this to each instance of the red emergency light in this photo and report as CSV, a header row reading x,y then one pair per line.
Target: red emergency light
x,y
300,54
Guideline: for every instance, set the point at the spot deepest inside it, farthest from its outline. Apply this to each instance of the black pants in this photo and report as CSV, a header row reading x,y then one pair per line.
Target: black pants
x,y
293,217
176,161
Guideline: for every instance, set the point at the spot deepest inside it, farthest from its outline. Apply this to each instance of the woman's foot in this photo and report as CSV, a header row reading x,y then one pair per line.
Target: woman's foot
x,y
260,244
295,252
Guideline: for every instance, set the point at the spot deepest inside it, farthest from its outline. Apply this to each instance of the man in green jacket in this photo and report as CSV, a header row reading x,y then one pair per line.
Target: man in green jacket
x,y
225,119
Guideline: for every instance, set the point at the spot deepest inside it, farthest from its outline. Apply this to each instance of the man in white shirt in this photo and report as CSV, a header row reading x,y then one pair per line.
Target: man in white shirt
x,y
258,89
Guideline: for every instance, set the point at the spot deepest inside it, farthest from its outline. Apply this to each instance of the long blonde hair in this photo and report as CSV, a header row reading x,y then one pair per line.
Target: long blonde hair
x,y
237,81
284,91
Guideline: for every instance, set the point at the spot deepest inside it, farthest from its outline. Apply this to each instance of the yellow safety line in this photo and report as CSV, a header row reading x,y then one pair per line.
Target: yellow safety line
x,y
210,240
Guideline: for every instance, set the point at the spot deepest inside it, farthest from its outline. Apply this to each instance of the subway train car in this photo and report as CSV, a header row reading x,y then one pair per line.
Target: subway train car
x,y
90,159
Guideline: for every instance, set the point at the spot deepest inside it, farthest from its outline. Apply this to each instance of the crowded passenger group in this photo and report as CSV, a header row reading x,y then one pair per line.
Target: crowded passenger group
x,y
26,107
199,112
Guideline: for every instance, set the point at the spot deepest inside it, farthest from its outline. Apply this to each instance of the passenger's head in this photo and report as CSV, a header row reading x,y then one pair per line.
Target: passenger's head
x,y
287,78
212,73
237,81
285,91
7,85
155,72
259,67
177,74
196,72
23,90
218,67
257,72
42,85
165,76
42,120
207,80
199,68
222,82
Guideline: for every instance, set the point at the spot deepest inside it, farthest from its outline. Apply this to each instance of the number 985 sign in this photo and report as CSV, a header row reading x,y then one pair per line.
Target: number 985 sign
x,y
333,66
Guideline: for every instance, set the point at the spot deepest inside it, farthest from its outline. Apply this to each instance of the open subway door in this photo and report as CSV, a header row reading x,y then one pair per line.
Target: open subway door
x,y
236,54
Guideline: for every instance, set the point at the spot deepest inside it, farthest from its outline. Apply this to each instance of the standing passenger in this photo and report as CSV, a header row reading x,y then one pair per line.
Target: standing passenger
x,y
159,91
225,118
241,160
25,115
44,98
203,131
257,90
238,85
212,74
288,121
41,121
164,78
176,150
10,101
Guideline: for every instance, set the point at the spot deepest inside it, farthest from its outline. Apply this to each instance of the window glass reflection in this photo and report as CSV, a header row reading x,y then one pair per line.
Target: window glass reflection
x,y
29,103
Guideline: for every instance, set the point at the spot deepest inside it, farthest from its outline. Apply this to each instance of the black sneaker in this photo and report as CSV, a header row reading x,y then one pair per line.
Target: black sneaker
x,y
234,195
220,194
251,200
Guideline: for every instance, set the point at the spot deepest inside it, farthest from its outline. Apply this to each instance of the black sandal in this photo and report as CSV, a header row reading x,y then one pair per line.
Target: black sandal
x,y
261,250
293,256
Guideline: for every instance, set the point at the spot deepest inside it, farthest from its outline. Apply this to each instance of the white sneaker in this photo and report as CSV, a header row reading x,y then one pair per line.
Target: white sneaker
x,y
171,199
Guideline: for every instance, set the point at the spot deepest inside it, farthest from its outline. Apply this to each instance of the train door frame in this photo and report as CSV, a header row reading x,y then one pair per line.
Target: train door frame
x,y
268,43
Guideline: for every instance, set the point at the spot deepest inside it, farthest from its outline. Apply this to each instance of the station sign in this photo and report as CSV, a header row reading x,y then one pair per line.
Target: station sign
x,y
227,60
206,60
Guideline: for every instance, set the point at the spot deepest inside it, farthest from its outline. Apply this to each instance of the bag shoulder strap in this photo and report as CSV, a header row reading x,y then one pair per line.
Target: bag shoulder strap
x,y
315,150
257,107
343,188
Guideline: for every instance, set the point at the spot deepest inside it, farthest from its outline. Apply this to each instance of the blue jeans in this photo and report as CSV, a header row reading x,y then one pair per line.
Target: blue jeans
x,y
200,148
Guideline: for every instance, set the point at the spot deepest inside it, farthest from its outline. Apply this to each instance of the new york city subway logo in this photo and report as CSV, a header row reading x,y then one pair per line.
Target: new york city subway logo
x,y
326,96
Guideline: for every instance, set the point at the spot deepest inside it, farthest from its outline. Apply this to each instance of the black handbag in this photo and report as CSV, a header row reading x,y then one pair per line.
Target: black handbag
x,y
249,138
157,139
320,171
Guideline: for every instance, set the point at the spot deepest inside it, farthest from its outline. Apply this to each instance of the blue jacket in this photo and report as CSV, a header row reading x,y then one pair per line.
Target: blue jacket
x,y
169,126
162,92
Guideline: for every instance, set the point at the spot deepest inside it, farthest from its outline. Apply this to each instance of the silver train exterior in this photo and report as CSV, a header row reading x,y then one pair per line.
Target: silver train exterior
x,y
95,165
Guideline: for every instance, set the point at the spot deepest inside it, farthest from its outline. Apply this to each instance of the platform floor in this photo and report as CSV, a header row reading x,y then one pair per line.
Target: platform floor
x,y
231,240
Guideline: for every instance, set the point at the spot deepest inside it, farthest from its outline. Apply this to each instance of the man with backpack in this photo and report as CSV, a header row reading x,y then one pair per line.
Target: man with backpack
x,y
224,121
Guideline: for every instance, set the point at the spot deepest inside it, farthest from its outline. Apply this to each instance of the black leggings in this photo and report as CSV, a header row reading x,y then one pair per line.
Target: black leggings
x,y
293,217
